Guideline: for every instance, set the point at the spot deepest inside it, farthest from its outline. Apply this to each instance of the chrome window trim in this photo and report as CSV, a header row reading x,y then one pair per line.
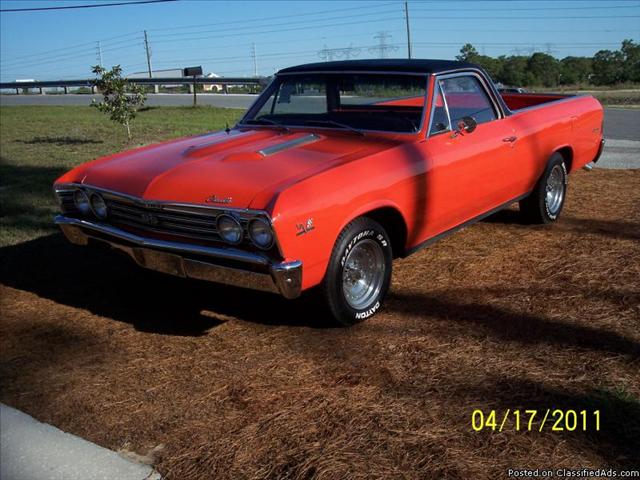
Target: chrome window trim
x,y
436,85
439,77
266,91
364,72
502,113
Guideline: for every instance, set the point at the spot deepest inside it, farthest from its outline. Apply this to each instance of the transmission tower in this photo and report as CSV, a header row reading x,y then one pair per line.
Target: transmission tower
x,y
99,53
329,54
383,47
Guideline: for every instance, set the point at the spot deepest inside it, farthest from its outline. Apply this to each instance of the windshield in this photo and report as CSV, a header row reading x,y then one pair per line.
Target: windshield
x,y
355,102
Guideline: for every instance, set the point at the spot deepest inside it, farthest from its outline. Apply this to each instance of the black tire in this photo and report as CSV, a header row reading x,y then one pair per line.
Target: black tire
x,y
363,239
541,206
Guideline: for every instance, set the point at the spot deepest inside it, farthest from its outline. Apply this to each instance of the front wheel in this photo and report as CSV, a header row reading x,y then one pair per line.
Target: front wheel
x,y
545,202
359,271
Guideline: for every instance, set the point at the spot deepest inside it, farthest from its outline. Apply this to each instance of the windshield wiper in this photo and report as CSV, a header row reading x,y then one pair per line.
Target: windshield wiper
x,y
335,124
269,121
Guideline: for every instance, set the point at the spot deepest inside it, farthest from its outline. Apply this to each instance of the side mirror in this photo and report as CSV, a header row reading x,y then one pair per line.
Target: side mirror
x,y
467,125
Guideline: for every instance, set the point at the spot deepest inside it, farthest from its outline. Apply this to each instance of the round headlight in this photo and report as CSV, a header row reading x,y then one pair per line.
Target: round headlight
x,y
260,233
82,201
229,229
98,205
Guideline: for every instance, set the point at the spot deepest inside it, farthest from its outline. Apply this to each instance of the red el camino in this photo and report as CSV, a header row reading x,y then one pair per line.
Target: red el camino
x,y
335,170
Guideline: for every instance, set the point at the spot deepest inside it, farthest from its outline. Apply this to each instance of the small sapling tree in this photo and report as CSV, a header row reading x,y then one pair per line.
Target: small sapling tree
x,y
121,98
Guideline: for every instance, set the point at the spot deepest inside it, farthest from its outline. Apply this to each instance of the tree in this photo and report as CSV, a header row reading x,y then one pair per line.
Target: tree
x,y
468,53
631,52
544,68
608,67
121,100
575,70
515,71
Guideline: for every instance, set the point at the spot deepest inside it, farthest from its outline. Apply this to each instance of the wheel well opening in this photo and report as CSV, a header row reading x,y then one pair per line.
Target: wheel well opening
x,y
567,154
394,224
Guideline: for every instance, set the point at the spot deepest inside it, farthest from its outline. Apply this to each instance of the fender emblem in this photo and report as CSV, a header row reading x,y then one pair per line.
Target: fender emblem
x,y
215,199
303,228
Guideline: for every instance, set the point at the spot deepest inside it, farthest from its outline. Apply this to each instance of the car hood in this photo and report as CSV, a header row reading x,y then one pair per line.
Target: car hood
x,y
242,168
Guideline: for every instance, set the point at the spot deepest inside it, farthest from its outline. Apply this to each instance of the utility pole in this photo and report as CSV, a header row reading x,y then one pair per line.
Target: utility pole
x,y
99,51
254,55
146,47
406,17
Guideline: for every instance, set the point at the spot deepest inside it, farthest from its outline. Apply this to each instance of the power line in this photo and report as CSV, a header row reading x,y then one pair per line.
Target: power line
x,y
501,9
308,27
554,17
272,25
69,7
105,41
278,17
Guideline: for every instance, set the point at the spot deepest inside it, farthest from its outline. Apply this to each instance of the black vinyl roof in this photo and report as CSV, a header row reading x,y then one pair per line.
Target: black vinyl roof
x,y
399,65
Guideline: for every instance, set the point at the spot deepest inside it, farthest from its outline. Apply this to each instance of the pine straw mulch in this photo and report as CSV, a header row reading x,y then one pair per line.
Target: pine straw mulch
x,y
244,385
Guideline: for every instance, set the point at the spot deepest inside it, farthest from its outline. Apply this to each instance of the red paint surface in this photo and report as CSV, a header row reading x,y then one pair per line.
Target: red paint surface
x,y
434,183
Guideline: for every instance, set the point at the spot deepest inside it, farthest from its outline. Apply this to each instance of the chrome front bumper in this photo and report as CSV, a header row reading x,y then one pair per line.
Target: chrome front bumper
x,y
262,273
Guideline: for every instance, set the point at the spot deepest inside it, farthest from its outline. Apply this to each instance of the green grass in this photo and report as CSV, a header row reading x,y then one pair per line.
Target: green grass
x,y
609,97
40,143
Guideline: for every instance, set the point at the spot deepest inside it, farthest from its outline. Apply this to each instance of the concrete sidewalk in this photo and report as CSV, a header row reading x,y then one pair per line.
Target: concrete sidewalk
x,y
620,154
31,450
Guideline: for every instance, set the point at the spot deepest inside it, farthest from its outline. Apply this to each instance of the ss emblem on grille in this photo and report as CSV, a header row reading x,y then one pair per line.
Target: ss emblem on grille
x,y
149,219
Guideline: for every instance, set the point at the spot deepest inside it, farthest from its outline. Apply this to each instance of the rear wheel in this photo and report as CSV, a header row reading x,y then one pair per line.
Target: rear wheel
x,y
545,202
359,271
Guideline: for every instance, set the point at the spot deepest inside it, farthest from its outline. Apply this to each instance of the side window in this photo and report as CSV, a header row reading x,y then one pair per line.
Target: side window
x,y
439,117
466,97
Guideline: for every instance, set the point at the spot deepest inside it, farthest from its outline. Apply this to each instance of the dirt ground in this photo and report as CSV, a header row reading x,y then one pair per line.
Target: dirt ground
x,y
241,385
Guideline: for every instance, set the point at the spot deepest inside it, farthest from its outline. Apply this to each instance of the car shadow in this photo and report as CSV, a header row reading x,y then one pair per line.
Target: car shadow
x,y
59,141
513,326
108,283
610,228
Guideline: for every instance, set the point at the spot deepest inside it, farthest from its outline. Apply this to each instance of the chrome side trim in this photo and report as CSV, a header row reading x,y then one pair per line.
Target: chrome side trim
x,y
284,278
304,140
451,231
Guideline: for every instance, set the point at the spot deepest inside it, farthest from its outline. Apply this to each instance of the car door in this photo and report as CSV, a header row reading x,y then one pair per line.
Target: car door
x,y
469,173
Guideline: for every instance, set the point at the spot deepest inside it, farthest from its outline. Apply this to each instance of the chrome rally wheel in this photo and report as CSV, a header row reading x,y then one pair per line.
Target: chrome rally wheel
x,y
359,271
363,274
545,202
555,190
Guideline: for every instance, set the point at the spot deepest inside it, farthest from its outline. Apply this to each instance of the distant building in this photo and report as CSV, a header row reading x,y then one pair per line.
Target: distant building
x,y
212,87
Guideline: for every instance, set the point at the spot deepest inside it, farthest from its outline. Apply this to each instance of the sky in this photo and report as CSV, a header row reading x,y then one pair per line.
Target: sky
x,y
220,35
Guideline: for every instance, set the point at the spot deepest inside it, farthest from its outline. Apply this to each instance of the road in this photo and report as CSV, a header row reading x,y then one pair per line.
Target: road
x,y
161,99
621,126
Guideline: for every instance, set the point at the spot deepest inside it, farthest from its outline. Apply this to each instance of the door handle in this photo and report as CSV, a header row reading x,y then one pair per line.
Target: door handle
x,y
510,139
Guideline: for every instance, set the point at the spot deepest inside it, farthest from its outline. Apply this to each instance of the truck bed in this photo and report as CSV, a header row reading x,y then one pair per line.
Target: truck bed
x,y
518,101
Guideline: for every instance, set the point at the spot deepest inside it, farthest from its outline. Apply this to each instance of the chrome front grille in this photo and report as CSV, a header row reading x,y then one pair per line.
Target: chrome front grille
x,y
190,221
164,219
65,200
